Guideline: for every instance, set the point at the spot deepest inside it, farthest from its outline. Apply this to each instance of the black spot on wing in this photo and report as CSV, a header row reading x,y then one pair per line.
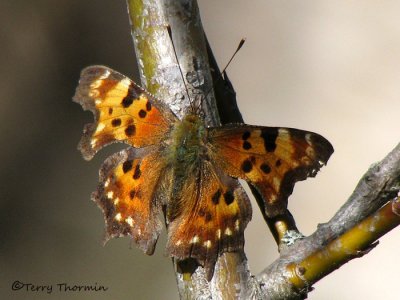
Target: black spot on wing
x,y
245,135
228,196
246,145
269,136
130,130
137,173
247,166
205,214
142,113
216,196
128,99
127,166
148,105
116,122
265,168
278,163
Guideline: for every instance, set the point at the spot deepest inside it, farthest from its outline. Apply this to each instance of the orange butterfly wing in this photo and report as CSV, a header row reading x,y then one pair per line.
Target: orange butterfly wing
x,y
213,212
129,180
123,111
271,159
127,194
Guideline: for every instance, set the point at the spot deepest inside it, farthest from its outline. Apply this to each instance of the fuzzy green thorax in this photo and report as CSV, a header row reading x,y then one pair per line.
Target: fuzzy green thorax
x,y
188,140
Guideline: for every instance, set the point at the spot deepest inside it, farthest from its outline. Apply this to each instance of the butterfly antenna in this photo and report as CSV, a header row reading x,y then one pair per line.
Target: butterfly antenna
x,y
180,70
241,43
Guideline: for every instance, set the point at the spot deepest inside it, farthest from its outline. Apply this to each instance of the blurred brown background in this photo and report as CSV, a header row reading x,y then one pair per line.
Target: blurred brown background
x,y
328,66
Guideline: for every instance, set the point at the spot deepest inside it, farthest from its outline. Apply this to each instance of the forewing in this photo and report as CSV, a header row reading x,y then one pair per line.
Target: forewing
x,y
127,194
123,111
271,159
213,213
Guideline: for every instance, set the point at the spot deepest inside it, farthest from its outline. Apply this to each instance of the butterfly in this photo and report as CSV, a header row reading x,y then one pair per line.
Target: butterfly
x,y
185,169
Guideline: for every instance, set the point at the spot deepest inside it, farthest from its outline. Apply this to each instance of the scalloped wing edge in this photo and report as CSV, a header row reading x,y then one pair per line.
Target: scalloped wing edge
x,y
112,230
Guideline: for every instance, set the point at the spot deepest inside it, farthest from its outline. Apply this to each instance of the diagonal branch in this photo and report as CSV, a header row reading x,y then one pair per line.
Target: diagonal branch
x,y
286,277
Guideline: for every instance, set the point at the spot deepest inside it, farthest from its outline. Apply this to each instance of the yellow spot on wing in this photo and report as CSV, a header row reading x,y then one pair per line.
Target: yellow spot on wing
x,y
118,217
100,127
129,220
207,244
237,224
228,231
276,183
195,239
95,84
105,75
93,142
107,182
143,97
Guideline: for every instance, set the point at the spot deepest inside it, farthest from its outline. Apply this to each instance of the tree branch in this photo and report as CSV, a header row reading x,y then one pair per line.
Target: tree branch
x,y
379,185
293,273
161,76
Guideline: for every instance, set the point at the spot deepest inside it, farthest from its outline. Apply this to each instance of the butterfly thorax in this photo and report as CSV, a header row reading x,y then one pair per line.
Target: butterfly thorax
x,y
188,141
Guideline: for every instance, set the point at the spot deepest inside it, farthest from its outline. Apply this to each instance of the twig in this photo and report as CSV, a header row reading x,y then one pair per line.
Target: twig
x,y
380,184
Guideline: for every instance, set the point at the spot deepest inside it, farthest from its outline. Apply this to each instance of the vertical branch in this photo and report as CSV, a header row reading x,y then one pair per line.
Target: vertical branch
x,y
300,265
161,76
